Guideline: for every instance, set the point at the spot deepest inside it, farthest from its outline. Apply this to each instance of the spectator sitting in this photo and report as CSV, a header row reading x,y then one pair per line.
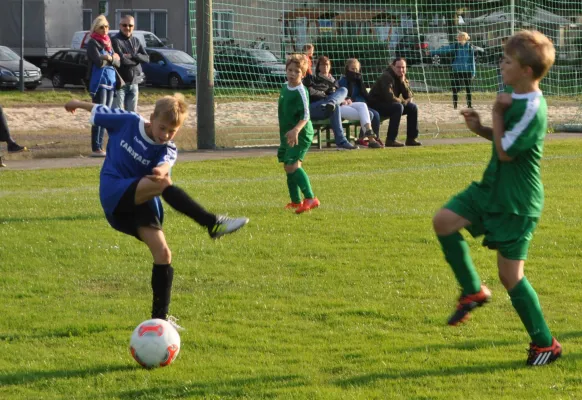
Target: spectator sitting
x,y
357,92
385,97
325,97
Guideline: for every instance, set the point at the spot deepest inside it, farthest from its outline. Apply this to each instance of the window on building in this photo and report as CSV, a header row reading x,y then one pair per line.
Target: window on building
x,y
87,19
223,24
155,21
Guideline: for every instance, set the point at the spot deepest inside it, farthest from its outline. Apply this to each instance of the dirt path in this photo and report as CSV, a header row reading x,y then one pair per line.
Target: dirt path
x,y
202,155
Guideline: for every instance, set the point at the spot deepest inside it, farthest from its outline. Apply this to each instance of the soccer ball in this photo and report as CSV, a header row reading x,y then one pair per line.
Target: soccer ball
x,y
154,343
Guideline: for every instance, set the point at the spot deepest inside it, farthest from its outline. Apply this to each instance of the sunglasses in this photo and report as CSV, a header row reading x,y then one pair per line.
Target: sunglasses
x,y
127,25
104,27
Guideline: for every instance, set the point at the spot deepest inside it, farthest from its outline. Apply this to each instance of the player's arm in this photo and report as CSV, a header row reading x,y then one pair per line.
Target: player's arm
x,y
501,104
165,163
293,134
473,122
74,105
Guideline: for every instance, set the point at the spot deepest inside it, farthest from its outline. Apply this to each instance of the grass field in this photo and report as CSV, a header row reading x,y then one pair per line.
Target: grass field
x,y
346,302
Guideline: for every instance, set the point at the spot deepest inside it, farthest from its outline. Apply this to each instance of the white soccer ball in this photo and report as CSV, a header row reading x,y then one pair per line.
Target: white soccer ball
x,y
154,343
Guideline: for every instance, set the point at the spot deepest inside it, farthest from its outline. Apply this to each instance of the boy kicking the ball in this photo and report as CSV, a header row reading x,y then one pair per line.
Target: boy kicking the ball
x,y
136,172
296,134
506,205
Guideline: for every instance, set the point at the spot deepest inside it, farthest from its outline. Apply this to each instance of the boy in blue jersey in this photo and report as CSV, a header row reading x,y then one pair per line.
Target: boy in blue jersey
x,y
136,172
506,204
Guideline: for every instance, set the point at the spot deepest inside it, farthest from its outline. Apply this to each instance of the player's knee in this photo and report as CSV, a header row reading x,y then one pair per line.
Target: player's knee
x,y
440,223
163,255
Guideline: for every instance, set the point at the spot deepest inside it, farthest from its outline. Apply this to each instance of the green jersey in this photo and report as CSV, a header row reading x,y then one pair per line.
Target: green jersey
x,y
515,187
294,107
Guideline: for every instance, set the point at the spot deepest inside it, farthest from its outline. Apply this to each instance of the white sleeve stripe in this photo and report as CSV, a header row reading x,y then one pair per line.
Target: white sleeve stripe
x,y
305,103
511,136
93,112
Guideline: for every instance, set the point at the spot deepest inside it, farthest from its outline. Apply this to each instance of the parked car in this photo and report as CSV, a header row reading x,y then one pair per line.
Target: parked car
x,y
413,48
10,71
170,67
146,38
255,67
69,67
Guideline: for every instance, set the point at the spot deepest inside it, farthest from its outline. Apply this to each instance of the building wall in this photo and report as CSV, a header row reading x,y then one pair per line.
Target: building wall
x,y
177,18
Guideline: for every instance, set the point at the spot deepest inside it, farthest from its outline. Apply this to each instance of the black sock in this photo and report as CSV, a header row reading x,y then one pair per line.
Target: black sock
x,y
162,277
180,201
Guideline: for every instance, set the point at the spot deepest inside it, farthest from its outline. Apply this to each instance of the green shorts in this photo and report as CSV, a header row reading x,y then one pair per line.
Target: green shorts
x,y
290,155
510,234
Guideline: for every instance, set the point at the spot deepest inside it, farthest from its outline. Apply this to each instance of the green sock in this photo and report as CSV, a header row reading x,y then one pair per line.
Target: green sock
x,y
294,191
456,252
525,301
302,180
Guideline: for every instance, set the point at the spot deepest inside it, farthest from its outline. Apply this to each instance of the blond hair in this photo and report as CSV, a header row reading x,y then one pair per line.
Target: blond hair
x,y
464,36
298,59
172,109
532,49
352,61
98,22
307,46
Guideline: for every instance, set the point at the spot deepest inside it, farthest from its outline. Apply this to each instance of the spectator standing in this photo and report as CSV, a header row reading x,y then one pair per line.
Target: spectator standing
x,y
102,63
12,146
463,68
392,97
131,55
308,50
357,92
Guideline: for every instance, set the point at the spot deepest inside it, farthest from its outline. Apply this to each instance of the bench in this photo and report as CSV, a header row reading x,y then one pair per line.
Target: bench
x,y
324,125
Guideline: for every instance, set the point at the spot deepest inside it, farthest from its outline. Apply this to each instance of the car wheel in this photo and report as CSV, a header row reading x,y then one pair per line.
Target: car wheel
x,y
57,80
436,60
174,81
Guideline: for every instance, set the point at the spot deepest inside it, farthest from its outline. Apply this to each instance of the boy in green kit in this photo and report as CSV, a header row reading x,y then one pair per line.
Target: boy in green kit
x,y
506,205
296,134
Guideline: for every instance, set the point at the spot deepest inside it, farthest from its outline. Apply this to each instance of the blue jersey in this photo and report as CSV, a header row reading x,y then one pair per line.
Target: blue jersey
x,y
131,154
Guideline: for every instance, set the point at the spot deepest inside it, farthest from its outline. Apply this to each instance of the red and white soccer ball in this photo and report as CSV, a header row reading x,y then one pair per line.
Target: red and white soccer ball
x,y
154,343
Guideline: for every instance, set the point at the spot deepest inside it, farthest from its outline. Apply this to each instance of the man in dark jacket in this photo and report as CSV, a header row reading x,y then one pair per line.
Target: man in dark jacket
x,y
131,54
392,98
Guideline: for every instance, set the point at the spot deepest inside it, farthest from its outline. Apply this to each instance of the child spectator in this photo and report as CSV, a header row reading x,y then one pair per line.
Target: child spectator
x,y
506,205
357,92
296,134
464,68
308,50
136,172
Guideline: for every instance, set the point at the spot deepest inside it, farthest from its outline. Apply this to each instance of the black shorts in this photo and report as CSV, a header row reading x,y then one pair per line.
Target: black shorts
x,y
128,216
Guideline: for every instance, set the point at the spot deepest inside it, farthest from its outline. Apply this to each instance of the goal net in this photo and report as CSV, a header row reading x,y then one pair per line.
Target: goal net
x,y
251,40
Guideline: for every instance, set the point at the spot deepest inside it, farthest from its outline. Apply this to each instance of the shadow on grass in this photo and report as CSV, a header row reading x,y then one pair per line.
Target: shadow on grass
x,y
83,217
27,377
480,344
367,379
221,388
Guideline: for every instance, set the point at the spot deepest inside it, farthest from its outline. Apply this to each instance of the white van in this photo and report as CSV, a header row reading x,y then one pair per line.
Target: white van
x,y
146,38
